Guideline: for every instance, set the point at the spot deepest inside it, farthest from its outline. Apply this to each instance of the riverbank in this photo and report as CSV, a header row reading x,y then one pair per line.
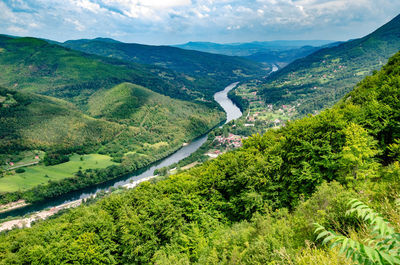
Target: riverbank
x,y
13,205
42,215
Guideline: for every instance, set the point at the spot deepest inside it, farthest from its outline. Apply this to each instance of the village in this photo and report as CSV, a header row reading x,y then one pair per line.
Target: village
x,y
261,114
222,144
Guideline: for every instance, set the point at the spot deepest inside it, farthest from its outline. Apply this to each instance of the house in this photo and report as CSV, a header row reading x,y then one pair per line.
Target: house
x,y
277,121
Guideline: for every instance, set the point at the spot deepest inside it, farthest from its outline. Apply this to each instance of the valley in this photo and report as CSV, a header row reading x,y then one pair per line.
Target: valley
x,y
259,140
38,210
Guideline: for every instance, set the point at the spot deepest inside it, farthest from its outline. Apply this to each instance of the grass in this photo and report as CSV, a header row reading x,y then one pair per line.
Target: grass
x,y
36,175
26,157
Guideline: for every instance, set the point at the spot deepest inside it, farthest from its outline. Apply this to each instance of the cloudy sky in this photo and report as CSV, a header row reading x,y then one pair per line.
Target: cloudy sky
x,y
179,21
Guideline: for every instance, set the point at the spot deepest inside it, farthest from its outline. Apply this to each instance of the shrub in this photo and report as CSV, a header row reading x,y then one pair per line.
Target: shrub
x,y
382,248
19,170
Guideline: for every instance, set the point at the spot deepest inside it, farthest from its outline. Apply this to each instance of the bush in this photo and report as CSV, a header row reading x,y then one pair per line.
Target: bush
x,y
55,159
19,170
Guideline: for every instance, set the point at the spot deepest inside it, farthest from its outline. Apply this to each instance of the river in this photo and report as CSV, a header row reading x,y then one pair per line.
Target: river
x,y
232,112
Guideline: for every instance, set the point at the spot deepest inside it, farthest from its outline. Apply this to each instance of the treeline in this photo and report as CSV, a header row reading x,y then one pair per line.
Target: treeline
x,y
242,103
255,205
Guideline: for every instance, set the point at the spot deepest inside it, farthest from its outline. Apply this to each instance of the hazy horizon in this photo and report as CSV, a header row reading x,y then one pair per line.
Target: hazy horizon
x,y
180,21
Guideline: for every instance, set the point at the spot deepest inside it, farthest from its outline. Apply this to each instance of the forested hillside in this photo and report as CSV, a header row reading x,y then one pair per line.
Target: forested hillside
x,y
30,121
322,78
256,205
34,65
207,72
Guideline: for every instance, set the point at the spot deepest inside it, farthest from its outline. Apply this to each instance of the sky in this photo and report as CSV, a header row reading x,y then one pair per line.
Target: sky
x,y
180,21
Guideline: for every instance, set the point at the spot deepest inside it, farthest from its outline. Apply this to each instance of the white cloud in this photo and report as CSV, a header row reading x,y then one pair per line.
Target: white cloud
x,y
164,3
78,25
86,4
16,30
177,20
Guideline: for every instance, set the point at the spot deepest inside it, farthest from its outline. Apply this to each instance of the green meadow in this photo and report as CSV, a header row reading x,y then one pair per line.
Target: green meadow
x,y
40,174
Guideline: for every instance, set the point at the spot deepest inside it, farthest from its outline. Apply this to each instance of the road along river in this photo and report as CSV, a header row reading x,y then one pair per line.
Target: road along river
x,y
73,199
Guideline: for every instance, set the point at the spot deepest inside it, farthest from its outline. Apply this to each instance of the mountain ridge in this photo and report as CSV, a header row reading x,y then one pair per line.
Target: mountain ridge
x,y
323,77
204,70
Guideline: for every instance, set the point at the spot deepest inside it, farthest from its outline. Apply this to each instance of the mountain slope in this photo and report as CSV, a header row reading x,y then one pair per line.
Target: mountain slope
x,y
30,121
34,65
208,72
322,78
254,205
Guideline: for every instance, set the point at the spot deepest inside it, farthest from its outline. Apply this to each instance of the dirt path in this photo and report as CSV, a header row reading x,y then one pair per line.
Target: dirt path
x,y
24,165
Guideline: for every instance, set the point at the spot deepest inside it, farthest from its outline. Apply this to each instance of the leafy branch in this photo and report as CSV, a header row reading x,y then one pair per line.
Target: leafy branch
x,y
382,248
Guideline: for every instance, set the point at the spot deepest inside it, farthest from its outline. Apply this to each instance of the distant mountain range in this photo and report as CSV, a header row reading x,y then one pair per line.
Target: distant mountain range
x,y
323,77
206,72
281,58
250,48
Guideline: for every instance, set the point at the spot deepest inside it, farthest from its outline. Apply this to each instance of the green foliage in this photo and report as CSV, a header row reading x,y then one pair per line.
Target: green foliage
x,y
382,248
394,149
19,170
358,153
55,158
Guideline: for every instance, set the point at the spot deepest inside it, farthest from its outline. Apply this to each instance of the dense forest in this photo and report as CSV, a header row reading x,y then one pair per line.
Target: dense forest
x,y
324,77
256,205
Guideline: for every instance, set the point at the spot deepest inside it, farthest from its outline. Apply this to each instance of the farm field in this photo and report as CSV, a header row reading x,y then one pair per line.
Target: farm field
x,y
40,174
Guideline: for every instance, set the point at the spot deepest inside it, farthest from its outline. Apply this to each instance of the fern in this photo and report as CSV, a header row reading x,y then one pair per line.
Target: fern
x,y
382,248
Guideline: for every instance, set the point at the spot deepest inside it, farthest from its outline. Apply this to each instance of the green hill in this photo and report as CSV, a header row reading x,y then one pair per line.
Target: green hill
x,y
34,65
256,205
322,78
207,72
31,121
